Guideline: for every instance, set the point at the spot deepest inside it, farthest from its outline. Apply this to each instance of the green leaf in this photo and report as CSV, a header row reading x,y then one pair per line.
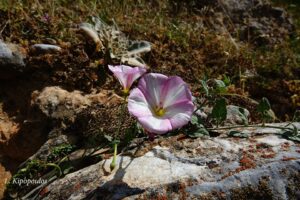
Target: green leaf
x,y
116,141
296,117
108,137
264,105
200,132
194,120
290,135
238,134
130,134
204,87
139,128
293,134
226,80
219,111
269,114
243,115
264,108
294,138
220,83
66,167
220,86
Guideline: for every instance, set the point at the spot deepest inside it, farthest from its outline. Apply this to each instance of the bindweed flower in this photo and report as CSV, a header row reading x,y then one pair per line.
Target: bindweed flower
x,y
161,103
126,75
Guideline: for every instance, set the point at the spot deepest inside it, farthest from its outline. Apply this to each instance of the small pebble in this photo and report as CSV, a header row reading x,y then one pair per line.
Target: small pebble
x,y
45,48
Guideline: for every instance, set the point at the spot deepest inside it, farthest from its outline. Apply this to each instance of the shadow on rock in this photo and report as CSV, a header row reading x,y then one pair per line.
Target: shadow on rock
x,y
115,188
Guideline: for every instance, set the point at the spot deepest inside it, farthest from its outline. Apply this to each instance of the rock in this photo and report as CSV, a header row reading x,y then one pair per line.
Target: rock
x,y
11,60
4,178
106,97
254,21
19,137
264,166
46,149
236,115
26,141
58,103
91,34
264,25
45,49
8,127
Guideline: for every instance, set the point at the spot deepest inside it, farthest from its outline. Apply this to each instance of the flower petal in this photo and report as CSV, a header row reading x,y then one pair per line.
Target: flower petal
x,y
134,74
119,74
175,90
155,125
126,74
179,114
151,85
138,105
172,95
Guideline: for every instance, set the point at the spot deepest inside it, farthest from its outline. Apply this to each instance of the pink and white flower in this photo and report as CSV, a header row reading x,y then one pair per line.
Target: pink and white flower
x,y
126,75
161,103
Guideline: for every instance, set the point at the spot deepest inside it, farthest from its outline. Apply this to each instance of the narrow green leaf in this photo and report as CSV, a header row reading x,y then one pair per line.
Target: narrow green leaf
x,y
238,134
291,135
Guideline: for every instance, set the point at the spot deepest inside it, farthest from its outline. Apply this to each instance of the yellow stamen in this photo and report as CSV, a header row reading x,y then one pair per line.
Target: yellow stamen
x,y
160,112
126,91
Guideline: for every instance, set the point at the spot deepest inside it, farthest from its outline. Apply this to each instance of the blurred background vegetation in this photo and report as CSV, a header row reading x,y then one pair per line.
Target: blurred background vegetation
x,y
183,38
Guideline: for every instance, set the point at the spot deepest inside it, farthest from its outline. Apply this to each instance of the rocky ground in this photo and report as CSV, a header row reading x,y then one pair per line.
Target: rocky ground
x,y
59,101
263,166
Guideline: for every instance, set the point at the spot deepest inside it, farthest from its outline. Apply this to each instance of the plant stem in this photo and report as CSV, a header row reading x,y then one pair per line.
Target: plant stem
x,y
240,96
113,162
200,106
246,126
122,113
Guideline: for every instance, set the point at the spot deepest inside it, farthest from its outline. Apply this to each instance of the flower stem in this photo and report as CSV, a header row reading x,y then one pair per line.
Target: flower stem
x,y
122,113
113,162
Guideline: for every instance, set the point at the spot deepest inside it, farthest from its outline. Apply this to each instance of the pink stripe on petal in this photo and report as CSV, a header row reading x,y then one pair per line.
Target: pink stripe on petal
x,y
175,90
136,73
186,107
129,81
151,85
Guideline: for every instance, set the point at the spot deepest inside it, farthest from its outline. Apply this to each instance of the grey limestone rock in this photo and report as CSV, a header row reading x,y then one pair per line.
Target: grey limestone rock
x,y
11,60
264,166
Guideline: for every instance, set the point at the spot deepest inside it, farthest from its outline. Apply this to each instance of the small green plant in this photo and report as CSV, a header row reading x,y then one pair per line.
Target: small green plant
x,y
264,108
60,151
197,128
